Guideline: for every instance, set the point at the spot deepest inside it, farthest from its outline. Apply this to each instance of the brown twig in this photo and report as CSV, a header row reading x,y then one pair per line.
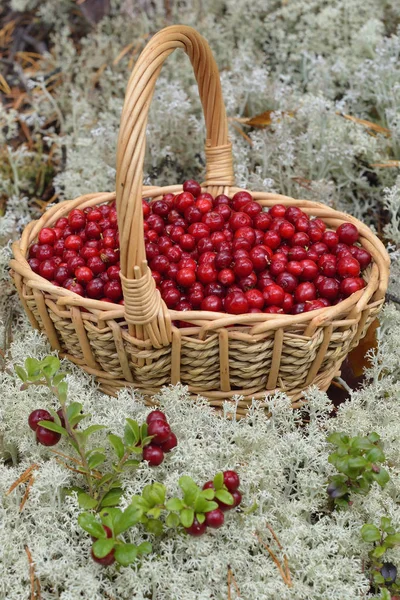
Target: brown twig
x,y
26,495
35,594
231,578
71,458
25,475
284,571
76,470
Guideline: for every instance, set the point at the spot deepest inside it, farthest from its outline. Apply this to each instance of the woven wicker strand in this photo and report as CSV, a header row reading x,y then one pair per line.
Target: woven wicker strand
x,y
217,355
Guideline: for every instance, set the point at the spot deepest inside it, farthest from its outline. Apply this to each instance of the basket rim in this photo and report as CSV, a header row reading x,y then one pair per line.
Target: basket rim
x,y
210,320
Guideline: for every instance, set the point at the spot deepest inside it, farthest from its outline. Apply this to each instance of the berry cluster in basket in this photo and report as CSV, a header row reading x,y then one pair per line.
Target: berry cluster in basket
x,y
228,255
212,254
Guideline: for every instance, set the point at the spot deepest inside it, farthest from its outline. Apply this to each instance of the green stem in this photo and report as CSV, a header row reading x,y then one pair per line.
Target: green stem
x,y
112,481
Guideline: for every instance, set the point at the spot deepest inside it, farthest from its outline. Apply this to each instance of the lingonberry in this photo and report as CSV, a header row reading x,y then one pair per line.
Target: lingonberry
x,y
46,269
46,437
348,267
238,220
292,213
47,236
231,480
113,290
226,277
240,199
313,305
272,239
305,291
273,295
75,287
206,273
286,230
331,239
300,239
260,257
193,214
294,267
152,453
204,204
262,221
156,415
196,529
199,230
302,224
186,277
61,274
38,415
288,302
297,253
74,262
248,283
362,255
237,498
236,303
171,297
187,242
212,303
207,258
254,298
327,265
95,289
44,252
314,232
61,223
215,518
328,288
310,270
192,187
287,281
246,233
277,266
105,561
96,265
215,289
76,219
347,233
277,211
160,430
170,443
83,274
243,266
224,210
350,285
298,308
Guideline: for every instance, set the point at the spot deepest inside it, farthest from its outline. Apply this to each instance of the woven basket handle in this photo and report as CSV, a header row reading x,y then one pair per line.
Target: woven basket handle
x,y
145,311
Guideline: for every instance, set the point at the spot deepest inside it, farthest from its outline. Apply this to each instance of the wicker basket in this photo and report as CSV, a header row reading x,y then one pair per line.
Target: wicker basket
x,y
221,355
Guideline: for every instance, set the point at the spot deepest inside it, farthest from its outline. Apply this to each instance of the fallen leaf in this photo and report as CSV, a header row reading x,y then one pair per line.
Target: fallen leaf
x,y
387,165
263,119
357,358
367,124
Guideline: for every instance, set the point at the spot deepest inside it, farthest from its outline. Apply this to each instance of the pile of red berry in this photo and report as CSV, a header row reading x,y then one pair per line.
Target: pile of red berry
x,y
164,439
215,518
213,254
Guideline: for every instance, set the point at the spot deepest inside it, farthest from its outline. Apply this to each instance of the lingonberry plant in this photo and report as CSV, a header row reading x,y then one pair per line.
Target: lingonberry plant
x,y
383,574
198,509
358,461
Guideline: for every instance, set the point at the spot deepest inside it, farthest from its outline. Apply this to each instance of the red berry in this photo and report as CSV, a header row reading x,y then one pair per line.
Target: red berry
x,y
83,274
262,221
252,209
237,498
215,518
287,303
236,303
347,233
240,199
204,205
305,291
273,295
38,415
170,443
255,298
199,230
46,437
95,289
113,290
61,223
327,265
277,211
286,230
156,415
106,561
243,267
314,232
287,282
348,267
331,239
46,269
206,273
238,220
192,187
231,480
292,213
350,285
196,529
47,236
272,239
73,286
44,252
61,274
160,430
160,208
153,454
362,255
328,288
76,219
310,270
212,303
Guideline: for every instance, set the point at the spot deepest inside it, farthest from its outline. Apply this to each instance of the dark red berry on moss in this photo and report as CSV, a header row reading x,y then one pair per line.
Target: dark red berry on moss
x,y
231,480
38,415
160,430
46,437
170,443
156,415
196,529
153,454
215,518
106,561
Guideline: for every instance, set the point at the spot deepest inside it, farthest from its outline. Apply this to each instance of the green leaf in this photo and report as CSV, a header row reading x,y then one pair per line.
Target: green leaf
x,y
89,523
202,505
73,410
58,378
109,516
174,504
21,373
374,437
105,479
338,438
392,540
143,431
53,427
154,512
125,554
117,444
154,494
378,578
172,520
386,523
154,526
375,455
131,463
208,494
75,420
92,429
382,477
96,459
112,498
130,438
357,462
378,551
145,548
63,391
140,502
103,547
201,517
360,443
131,516
190,489
225,497
86,501
370,533
187,517
218,481
50,366
32,366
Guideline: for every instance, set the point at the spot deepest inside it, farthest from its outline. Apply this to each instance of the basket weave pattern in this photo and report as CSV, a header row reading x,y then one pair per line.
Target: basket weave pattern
x,y
219,355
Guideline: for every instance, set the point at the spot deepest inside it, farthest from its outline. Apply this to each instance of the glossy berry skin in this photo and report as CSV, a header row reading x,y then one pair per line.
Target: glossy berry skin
x,y
160,430
236,303
240,199
273,295
362,255
237,498
192,187
348,267
38,415
113,290
347,233
231,480
170,443
215,518
153,454
95,289
328,288
196,529
83,275
350,285
287,282
47,236
156,415
46,437
76,219
305,291
106,561
212,303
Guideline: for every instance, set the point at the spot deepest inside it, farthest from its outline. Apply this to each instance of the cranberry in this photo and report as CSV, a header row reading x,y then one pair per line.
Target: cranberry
x,y
302,224
153,454
38,415
113,290
231,480
236,303
192,187
298,308
160,430
273,295
160,208
156,223
156,415
350,285
259,257
287,281
94,215
347,233
206,273
95,289
255,298
171,297
170,443
328,288
310,270
277,211
305,291
320,224
277,266
215,289
212,303
186,277
297,253
46,437
348,267
183,201
207,258
294,267
215,518
240,199
246,233
226,277
46,269
44,252
196,529
47,236
76,219
272,239
238,220
169,199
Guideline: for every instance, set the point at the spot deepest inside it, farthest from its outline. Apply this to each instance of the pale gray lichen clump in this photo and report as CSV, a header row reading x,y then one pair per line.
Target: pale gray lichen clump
x,y
308,61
